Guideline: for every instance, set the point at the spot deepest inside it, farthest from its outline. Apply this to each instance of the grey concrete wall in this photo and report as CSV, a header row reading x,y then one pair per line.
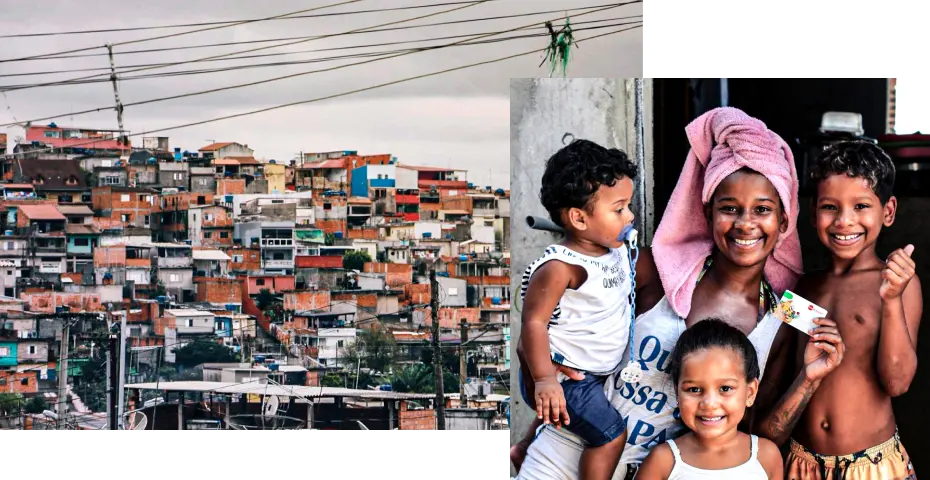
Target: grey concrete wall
x,y
541,112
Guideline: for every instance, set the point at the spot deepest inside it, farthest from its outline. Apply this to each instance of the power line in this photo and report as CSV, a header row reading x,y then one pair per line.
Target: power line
x,y
201,24
327,97
472,4
294,75
384,53
366,31
160,37
350,47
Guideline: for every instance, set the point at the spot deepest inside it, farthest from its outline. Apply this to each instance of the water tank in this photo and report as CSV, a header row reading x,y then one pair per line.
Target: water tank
x,y
337,235
463,258
427,235
162,299
499,191
273,367
259,359
495,300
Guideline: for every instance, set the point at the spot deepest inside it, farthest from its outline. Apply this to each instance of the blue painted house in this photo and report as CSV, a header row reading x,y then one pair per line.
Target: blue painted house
x,y
372,176
82,238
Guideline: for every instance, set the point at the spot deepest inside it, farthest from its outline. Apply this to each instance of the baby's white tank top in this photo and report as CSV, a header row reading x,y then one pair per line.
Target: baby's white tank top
x,y
590,327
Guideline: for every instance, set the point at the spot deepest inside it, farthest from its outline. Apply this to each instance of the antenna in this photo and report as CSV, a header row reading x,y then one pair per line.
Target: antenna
x,y
270,406
136,420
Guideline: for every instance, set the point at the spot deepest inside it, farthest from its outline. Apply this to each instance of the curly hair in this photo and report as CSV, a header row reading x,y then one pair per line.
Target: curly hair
x,y
857,159
575,172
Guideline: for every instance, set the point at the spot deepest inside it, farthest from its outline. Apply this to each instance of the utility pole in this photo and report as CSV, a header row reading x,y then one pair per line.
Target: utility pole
x,y
437,352
63,371
123,140
463,374
113,385
122,366
109,396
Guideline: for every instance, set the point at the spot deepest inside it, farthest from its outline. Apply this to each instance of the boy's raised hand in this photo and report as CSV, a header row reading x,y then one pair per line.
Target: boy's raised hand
x,y
899,270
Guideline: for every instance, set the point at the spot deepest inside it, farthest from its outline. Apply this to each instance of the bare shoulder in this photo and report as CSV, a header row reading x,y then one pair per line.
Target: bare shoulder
x,y
648,284
558,272
770,457
658,464
807,281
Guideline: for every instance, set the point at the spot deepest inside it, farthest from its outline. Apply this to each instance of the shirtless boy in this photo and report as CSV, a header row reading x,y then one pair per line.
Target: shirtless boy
x,y
848,429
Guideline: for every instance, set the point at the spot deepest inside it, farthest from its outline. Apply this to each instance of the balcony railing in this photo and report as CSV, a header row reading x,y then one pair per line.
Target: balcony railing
x,y
279,263
277,243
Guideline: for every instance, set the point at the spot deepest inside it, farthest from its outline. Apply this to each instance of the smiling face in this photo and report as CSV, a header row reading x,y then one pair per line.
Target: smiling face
x,y
746,218
849,215
713,392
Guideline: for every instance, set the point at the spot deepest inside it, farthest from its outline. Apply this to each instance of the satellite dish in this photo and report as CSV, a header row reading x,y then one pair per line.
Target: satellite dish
x,y
270,406
136,421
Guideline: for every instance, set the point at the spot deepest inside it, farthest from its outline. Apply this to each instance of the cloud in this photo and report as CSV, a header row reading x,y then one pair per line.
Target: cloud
x,y
459,119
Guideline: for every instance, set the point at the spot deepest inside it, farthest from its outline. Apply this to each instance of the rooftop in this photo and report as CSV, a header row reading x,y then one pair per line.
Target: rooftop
x,y
187,312
41,212
210,255
216,146
290,391
75,210
337,163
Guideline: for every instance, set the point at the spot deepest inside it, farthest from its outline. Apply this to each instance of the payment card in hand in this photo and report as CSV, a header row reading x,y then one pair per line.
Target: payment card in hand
x,y
799,312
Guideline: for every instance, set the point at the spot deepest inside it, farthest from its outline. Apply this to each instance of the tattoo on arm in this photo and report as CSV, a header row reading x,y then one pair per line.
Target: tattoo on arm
x,y
783,421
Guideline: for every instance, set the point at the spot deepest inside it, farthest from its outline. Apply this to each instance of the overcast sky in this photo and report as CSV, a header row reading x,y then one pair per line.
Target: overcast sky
x,y
458,119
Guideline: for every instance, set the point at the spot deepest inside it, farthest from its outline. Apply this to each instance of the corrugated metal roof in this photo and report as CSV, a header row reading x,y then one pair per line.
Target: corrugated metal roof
x,y
279,390
187,312
75,210
215,146
337,163
210,255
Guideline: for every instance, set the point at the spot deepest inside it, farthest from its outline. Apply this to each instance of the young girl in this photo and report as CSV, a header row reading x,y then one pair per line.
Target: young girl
x,y
716,373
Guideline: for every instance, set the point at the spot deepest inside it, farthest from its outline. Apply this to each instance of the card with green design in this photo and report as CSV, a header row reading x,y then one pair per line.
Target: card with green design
x,y
799,312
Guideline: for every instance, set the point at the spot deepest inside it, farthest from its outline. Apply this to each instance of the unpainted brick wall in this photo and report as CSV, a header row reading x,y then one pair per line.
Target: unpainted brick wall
x,y
416,419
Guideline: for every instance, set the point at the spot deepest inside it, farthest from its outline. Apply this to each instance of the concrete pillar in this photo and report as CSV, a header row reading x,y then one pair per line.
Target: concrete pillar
x,y
542,111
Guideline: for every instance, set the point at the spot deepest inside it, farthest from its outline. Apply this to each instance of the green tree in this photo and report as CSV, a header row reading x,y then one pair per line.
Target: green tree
x,y
376,349
329,239
36,405
265,299
419,379
11,403
196,353
355,259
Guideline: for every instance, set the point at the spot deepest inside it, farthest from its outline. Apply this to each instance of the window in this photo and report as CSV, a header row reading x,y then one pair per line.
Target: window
x,y
340,343
109,180
38,179
81,242
236,258
106,163
24,381
124,218
224,234
10,273
178,176
327,206
72,180
195,217
174,277
124,197
277,201
190,322
10,246
203,182
453,291
4,351
207,234
52,134
146,220
32,349
208,216
201,200
260,281
147,198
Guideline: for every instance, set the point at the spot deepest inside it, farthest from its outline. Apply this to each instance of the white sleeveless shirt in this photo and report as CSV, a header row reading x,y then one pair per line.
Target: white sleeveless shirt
x,y
650,407
590,327
751,470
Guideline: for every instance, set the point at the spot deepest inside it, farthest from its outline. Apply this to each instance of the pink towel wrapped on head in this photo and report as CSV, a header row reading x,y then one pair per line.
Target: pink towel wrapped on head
x,y
723,141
